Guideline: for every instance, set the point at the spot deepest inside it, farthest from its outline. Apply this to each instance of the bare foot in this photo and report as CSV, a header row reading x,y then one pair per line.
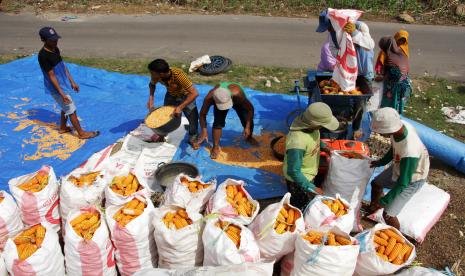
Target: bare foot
x,y
64,130
215,152
252,141
89,135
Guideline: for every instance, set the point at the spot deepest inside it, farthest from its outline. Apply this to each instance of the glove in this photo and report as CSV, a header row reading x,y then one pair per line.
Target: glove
x,y
349,27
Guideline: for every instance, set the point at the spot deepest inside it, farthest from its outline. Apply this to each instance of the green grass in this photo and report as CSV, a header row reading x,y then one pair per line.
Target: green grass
x,y
424,106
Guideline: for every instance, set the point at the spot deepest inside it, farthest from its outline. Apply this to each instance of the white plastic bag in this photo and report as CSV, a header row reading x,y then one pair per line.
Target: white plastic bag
x,y
134,243
287,264
114,199
3,271
219,204
318,216
272,245
89,257
144,133
369,263
346,69
149,161
47,260
178,248
97,161
375,101
312,259
196,64
219,249
430,201
41,207
10,218
180,195
245,269
348,178
74,197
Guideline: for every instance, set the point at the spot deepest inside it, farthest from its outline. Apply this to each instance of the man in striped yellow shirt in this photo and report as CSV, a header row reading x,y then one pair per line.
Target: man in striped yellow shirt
x,y
180,92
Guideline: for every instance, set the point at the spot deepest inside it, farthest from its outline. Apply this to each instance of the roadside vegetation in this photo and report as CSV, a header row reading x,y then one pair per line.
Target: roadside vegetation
x,y
423,11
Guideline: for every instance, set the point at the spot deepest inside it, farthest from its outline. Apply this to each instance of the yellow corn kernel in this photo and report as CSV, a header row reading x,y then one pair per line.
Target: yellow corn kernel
x,y
230,191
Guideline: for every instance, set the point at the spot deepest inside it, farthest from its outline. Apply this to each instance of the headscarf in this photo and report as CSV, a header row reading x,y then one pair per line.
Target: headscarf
x,y
400,34
403,34
394,55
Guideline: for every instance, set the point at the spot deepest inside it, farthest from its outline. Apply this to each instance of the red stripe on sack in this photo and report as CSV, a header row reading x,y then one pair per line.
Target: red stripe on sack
x,y
29,209
23,268
126,250
91,259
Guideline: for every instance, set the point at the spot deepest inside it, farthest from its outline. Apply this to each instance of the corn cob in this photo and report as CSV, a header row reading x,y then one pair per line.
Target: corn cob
x,y
391,243
395,252
132,212
409,252
398,261
381,249
281,228
382,235
384,257
290,218
331,239
380,241
283,212
390,233
343,241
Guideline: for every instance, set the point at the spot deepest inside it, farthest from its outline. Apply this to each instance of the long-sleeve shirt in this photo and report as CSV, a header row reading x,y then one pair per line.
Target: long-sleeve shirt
x,y
327,59
410,162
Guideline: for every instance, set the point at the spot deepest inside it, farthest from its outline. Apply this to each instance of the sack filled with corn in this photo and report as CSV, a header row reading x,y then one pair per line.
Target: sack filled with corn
x,y
276,229
332,252
131,231
81,188
245,269
34,251
3,270
228,242
37,197
178,235
348,178
287,264
383,251
88,248
121,188
232,200
10,218
192,192
325,212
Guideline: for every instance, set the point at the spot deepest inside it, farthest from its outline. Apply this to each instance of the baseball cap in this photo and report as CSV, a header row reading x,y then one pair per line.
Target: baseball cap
x,y
323,22
222,98
48,33
386,120
316,114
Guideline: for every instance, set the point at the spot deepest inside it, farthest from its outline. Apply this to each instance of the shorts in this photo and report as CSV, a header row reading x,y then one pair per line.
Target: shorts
x,y
69,108
219,120
385,179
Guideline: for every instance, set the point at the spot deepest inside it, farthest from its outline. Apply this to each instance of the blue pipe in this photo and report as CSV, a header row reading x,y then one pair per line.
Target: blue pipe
x,y
443,147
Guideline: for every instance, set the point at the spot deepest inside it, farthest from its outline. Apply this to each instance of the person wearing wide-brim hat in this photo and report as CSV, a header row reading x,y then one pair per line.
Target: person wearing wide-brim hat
x,y
302,156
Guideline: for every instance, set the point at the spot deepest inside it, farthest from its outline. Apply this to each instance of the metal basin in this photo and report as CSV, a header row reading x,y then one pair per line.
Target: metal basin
x,y
276,154
170,126
167,172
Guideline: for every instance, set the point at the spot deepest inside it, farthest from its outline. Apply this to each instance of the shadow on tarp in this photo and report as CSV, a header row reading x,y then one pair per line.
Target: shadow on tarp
x,y
126,126
43,115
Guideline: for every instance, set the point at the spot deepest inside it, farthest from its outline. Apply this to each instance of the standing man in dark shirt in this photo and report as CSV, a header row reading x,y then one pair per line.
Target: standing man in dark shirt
x,y
223,97
59,83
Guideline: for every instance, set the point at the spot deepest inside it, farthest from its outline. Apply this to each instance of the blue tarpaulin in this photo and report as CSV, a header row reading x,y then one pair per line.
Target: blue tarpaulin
x,y
115,104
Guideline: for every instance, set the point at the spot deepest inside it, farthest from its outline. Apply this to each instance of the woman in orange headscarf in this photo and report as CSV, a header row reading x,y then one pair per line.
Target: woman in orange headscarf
x,y
401,38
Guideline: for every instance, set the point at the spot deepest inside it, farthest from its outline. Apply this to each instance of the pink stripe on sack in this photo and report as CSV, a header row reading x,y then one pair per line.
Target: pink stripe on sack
x,y
248,258
91,259
432,222
23,268
111,254
29,209
127,249
49,216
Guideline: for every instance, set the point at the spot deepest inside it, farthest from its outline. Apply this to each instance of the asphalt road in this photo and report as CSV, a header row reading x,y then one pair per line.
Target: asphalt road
x,y
269,41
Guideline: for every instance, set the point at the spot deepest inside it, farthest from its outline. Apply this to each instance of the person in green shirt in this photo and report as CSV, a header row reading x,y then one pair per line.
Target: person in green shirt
x,y
302,156
223,97
409,169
